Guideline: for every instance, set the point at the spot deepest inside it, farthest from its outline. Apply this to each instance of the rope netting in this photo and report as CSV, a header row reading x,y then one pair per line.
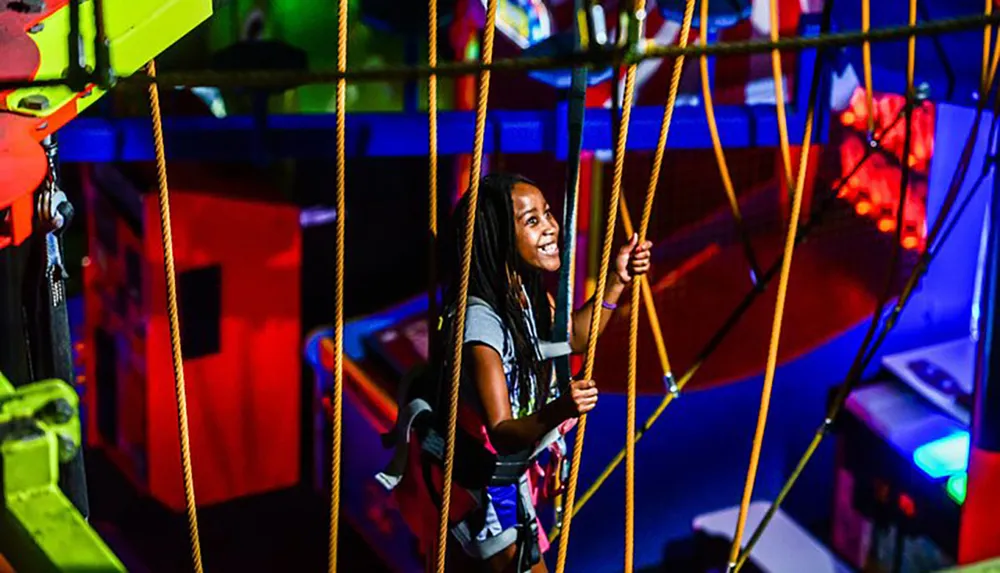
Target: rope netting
x,y
628,54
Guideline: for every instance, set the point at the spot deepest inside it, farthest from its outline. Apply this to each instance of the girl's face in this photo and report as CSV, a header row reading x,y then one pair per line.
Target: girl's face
x,y
536,230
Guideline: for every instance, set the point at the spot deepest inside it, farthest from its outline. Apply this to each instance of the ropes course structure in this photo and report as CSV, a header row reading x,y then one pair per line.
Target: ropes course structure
x,y
627,52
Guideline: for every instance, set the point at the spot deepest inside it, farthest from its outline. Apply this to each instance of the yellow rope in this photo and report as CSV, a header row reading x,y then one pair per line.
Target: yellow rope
x,y
987,42
911,62
772,357
633,343
174,320
772,353
720,154
866,52
595,320
688,375
642,287
432,158
337,400
779,99
489,30
993,71
861,359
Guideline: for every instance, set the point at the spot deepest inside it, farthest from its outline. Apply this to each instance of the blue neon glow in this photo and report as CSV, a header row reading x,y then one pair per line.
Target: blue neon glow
x,y
944,457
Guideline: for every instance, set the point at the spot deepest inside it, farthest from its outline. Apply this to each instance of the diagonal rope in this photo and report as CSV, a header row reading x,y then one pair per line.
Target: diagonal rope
x,y
779,310
779,99
731,321
734,556
860,364
720,153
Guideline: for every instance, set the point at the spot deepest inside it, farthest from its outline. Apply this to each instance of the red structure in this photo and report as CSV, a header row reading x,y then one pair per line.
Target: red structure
x,y
239,297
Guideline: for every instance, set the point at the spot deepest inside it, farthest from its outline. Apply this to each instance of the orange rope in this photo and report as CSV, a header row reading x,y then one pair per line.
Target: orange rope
x,y
772,353
720,154
993,71
641,287
337,400
987,42
779,99
688,375
595,318
857,366
174,320
489,30
432,158
866,52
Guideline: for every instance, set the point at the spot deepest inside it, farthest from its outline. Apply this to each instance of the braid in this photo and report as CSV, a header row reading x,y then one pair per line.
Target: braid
x,y
495,262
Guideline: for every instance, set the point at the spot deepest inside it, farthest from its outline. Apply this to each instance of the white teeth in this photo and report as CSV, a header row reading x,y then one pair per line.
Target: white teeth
x,y
549,249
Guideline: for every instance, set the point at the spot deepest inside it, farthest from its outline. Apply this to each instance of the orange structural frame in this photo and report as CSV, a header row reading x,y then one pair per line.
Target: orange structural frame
x,y
23,164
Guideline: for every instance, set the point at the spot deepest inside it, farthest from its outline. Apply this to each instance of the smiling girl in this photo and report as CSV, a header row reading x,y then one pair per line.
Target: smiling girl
x,y
507,377
511,407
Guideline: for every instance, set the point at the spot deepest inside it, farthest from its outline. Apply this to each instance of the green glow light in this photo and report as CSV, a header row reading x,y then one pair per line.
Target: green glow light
x,y
956,487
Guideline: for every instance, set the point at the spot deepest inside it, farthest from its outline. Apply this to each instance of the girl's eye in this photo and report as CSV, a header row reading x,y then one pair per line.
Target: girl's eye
x,y
532,221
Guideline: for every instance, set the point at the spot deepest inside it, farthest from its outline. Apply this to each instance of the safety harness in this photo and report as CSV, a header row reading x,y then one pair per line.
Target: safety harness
x,y
480,466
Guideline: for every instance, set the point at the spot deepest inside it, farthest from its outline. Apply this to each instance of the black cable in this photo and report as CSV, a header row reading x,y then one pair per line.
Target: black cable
x,y
863,359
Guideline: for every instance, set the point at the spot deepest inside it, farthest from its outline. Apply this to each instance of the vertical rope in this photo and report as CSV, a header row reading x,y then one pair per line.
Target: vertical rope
x,y
337,400
595,321
911,63
720,154
866,53
173,318
432,157
489,30
779,98
641,287
633,344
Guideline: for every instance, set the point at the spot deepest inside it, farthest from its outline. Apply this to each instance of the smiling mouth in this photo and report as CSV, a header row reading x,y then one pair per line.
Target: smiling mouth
x,y
550,249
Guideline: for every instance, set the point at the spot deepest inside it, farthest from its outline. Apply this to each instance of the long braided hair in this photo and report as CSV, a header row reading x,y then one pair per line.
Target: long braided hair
x,y
495,262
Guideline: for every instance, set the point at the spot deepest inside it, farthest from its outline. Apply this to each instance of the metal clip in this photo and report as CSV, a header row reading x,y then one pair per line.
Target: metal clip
x,y
826,426
671,385
635,39
597,34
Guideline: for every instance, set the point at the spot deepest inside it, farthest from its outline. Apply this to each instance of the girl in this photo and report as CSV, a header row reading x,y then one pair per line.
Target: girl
x,y
508,384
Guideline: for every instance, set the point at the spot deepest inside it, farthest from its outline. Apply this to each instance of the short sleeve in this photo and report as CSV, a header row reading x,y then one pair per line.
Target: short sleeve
x,y
483,326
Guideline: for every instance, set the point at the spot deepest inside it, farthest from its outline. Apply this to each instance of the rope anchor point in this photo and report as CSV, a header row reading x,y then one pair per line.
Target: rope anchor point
x,y
671,385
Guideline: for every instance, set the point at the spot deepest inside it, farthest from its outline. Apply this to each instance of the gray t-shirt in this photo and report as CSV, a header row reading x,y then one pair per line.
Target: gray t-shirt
x,y
484,326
